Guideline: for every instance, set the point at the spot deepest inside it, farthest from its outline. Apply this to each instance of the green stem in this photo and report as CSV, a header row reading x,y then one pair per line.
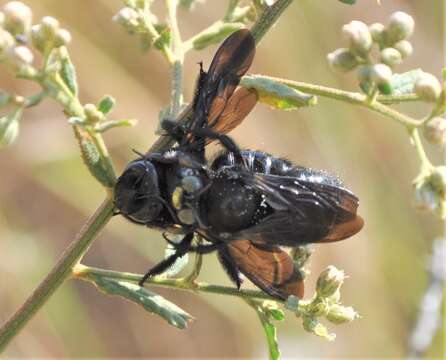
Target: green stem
x,y
269,18
60,272
426,165
177,65
352,98
87,273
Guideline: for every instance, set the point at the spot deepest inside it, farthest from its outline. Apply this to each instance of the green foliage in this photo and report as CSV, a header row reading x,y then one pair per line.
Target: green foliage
x,y
403,84
276,94
150,301
106,104
68,74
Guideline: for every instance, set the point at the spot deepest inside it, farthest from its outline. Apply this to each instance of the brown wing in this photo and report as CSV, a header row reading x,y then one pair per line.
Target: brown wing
x,y
268,267
224,117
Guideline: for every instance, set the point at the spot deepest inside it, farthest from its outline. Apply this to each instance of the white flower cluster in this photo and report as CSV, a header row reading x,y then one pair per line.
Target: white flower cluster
x,y
16,30
391,41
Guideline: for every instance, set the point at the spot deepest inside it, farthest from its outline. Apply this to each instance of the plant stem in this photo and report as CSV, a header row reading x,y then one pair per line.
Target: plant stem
x,y
177,65
60,272
269,18
425,162
353,98
87,273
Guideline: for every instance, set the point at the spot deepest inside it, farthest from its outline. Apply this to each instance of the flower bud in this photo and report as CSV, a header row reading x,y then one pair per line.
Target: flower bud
x,y
338,314
400,27
318,308
404,47
62,38
359,37
128,18
438,180
20,56
9,129
435,130
311,325
37,38
49,26
6,40
342,60
17,17
92,114
377,31
380,74
429,194
329,281
427,87
391,57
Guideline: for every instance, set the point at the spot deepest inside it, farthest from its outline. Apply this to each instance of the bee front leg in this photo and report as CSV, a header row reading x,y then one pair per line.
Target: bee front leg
x,y
181,249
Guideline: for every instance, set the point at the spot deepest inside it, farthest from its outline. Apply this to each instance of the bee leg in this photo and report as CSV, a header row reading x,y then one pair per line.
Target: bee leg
x,y
230,266
181,249
199,249
224,140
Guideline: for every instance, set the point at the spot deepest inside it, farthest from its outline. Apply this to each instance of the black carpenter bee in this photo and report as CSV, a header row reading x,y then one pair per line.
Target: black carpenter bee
x,y
246,204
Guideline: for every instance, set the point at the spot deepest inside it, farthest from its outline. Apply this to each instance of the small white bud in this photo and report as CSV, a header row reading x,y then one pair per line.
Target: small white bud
x,y
401,26
128,18
38,39
6,40
435,130
49,26
17,17
429,191
92,114
404,47
342,60
380,74
427,87
62,38
20,56
377,31
358,35
391,57
338,314
329,281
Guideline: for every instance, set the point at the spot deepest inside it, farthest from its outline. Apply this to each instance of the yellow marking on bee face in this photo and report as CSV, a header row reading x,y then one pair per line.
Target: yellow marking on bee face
x,y
177,197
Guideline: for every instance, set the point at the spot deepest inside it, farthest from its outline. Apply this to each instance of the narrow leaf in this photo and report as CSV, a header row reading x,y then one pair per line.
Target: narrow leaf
x,y
68,74
107,125
106,104
91,156
348,2
215,34
404,83
150,301
276,94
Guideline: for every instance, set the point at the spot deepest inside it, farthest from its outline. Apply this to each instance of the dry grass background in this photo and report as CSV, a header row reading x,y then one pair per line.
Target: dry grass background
x,y
46,192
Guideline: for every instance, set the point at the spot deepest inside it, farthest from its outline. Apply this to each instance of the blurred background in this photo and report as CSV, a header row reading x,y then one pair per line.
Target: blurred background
x,y
46,193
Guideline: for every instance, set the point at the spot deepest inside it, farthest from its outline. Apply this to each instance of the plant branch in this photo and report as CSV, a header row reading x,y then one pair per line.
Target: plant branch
x,y
357,99
88,273
60,272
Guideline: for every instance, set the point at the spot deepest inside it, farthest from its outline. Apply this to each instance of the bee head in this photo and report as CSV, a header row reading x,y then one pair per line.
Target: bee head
x,y
137,192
